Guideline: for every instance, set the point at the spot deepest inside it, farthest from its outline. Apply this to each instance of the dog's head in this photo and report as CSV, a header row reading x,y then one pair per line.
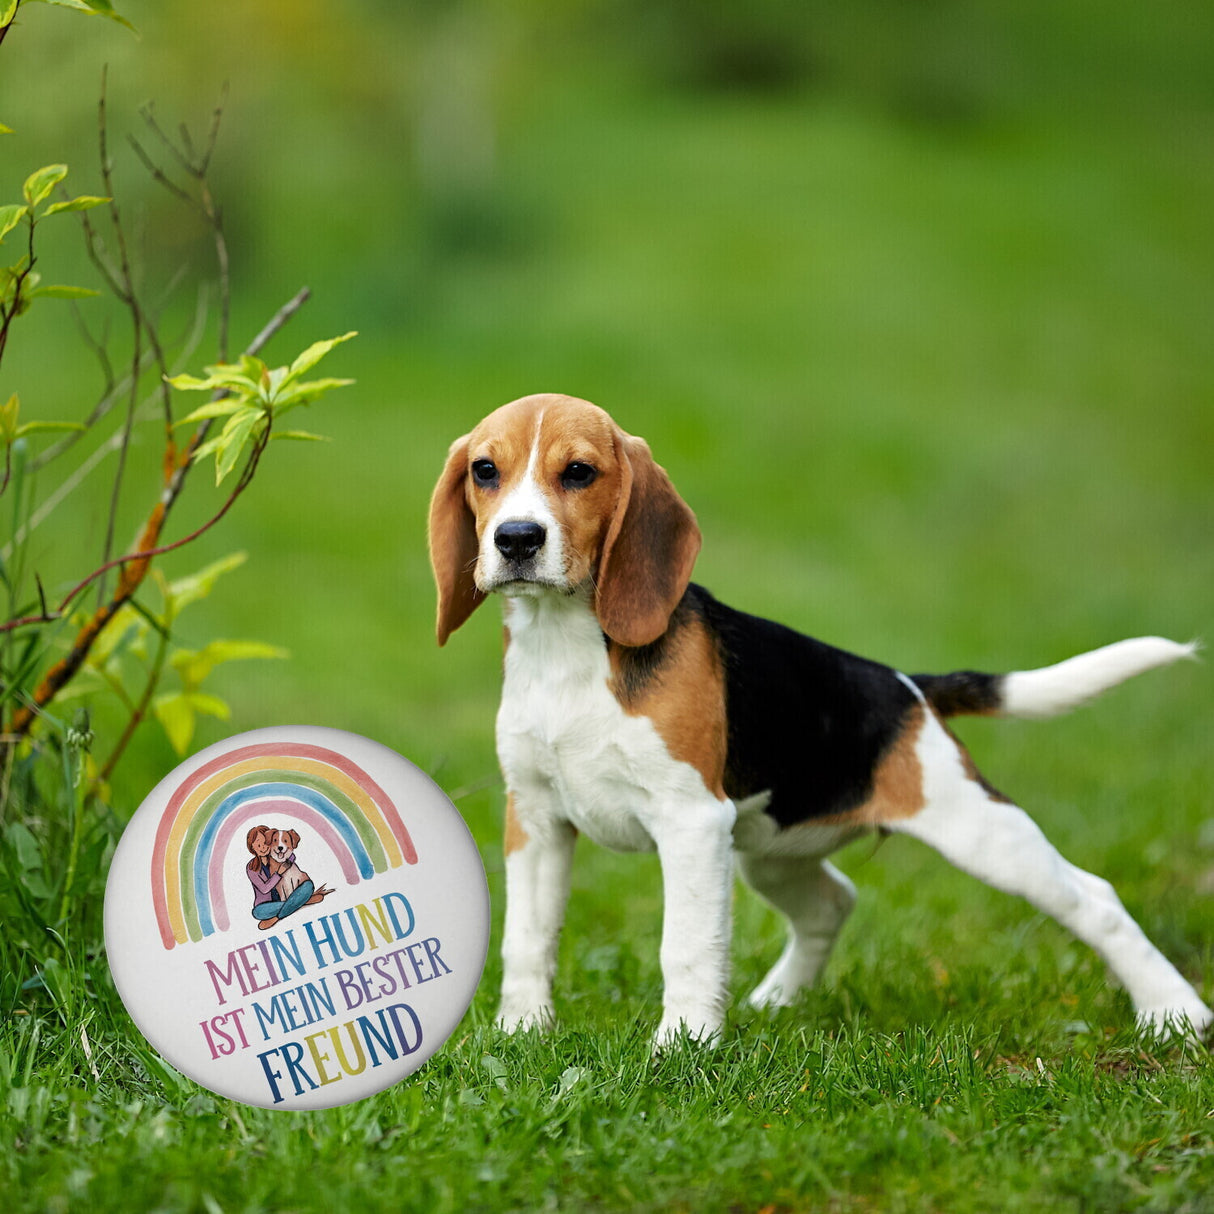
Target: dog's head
x,y
548,494
282,844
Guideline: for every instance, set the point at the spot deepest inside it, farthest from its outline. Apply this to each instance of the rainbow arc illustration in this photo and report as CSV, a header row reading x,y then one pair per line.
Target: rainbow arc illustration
x,y
345,809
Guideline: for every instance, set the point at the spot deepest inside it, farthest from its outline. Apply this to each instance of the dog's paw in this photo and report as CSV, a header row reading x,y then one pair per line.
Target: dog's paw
x,y
773,992
1190,1019
700,1031
515,1018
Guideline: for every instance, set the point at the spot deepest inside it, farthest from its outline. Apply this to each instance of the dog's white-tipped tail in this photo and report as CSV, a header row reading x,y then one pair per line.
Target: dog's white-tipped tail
x,y
1059,688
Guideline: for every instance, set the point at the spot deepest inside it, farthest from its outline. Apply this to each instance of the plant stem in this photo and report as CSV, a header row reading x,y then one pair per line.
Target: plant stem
x,y
138,711
135,564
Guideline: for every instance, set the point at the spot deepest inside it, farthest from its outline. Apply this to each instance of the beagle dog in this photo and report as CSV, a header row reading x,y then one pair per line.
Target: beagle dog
x,y
282,851
641,711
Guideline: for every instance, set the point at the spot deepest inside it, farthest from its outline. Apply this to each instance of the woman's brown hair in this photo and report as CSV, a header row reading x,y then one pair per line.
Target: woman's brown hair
x,y
248,842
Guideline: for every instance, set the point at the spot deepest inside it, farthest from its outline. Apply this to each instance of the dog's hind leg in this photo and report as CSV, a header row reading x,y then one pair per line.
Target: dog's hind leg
x,y
997,842
816,899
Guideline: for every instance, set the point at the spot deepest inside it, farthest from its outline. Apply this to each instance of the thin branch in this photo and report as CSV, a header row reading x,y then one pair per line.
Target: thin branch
x,y
184,154
126,293
159,176
213,136
135,564
99,346
115,391
111,444
8,315
184,159
186,345
139,711
146,554
278,320
183,133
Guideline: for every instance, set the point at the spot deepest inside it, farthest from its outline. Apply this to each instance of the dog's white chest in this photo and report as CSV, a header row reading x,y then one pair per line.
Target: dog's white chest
x,y
565,743
289,881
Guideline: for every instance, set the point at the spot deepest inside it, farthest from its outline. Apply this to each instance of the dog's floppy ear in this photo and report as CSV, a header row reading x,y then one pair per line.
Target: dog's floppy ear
x,y
293,835
649,550
453,544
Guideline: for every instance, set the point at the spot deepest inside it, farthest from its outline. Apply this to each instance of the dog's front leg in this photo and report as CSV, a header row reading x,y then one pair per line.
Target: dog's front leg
x,y
696,851
539,854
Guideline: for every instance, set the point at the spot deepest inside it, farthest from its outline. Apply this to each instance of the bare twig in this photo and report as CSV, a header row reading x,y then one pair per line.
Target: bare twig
x,y
138,712
136,563
195,167
9,314
146,554
158,175
134,568
279,319
186,345
126,293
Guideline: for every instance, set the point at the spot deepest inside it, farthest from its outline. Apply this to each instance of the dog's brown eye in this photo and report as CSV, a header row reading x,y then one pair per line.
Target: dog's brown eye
x,y
578,475
484,472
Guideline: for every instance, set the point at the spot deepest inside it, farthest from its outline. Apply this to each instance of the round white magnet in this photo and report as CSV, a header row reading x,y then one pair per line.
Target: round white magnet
x,y
297,917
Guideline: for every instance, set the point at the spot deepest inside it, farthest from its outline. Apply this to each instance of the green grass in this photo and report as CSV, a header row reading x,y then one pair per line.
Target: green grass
x,y
941,394
908,1086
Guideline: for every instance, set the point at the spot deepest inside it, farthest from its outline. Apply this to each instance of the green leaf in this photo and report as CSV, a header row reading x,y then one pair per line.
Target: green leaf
x,y
215,408
5,130
176,716
103,8
38,185
303,394
301,436
25,846
187,383
184,591
177,713
251,368
213,706
8,419
62,292
8,12
271,382
36,427
237,421
235,435
226,377
116,634
85,202
97,8
209,448
10,217
195,665
314,353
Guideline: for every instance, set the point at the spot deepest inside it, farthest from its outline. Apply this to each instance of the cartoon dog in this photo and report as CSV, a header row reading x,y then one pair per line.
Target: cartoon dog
x,y
282,852
280,886
643,712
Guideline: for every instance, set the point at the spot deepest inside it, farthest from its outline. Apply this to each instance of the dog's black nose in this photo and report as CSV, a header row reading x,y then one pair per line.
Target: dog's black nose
x,y
517,541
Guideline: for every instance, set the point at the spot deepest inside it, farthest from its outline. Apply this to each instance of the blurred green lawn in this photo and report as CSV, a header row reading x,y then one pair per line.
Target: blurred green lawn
x,y
939,390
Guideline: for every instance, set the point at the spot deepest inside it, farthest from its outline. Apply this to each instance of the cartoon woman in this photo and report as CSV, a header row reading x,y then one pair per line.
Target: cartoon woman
x,y
265,873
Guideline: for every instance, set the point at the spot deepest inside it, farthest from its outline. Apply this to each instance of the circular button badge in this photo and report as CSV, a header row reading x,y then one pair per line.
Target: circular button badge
x,y
297,917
